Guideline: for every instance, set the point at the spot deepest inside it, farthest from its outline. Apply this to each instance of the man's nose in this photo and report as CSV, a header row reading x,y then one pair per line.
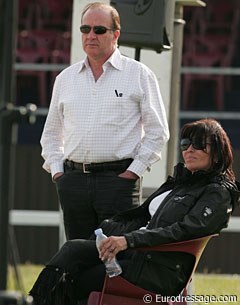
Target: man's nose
x,y
91,33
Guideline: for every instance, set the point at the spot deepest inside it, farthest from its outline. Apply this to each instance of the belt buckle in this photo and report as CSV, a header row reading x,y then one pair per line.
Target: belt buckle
x,y
84,168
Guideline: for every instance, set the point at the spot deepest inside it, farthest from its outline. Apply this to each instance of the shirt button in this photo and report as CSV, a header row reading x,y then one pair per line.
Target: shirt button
x,y
149,256
57,269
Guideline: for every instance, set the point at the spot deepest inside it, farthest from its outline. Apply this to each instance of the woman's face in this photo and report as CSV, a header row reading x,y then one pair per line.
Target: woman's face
x,y
196,155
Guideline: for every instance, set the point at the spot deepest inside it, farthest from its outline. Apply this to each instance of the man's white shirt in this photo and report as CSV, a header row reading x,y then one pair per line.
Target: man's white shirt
x,y
119,116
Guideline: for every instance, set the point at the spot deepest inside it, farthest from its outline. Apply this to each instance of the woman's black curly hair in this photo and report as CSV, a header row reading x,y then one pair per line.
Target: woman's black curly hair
x,y
209,130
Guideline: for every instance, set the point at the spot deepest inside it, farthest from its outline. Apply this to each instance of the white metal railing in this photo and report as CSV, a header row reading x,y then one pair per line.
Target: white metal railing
x,y
211,70
39,67
38,218
219,115
184,69
54,218
34,218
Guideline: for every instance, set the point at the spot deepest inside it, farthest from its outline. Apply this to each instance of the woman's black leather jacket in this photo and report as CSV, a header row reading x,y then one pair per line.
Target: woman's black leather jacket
x,y
199,204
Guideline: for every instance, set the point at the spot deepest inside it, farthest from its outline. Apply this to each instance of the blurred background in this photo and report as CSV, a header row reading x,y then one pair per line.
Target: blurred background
x,y
210,87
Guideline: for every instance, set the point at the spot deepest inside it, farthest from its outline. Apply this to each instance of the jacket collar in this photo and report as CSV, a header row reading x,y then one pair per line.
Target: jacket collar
x,y
182,175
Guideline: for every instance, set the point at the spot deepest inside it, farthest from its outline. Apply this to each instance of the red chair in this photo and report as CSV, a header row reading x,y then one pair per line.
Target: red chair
x,y
63,41
61,54
207,51
32,55
190,81
118,291
211,42
222,17
53,14
44,39
195,20
61,57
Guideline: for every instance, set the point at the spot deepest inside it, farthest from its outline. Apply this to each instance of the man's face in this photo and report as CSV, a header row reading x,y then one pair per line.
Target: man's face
x,y
99,46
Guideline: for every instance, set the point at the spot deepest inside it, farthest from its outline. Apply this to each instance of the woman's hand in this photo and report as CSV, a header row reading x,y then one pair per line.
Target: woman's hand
x,y
111,246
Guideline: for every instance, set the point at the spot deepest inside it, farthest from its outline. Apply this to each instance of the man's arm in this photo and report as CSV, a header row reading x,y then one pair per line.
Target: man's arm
x,y
154,122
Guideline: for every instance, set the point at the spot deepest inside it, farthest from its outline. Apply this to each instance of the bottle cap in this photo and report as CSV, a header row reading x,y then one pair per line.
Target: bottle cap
x,y
98,231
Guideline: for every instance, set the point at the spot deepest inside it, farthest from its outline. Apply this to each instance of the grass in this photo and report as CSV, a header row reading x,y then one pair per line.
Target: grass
x,y
204,285
217,285
27,274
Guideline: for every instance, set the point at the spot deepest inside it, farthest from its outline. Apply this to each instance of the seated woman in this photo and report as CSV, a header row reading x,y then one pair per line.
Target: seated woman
x,y
195,202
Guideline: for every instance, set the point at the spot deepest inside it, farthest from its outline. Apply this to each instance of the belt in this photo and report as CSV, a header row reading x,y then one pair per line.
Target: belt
x,y
88,168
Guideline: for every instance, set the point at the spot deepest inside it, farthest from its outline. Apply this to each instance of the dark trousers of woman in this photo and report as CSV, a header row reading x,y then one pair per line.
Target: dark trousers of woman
x,y
89,198
72,274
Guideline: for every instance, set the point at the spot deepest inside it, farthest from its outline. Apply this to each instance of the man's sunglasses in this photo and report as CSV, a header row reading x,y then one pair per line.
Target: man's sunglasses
x,y
198,144
97,29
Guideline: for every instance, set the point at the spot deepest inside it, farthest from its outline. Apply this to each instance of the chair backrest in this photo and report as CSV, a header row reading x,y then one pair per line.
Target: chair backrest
x,y
118,286
193,246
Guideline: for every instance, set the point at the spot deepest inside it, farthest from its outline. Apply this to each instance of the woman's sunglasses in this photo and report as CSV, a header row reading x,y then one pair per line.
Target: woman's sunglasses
x,y
97,29
198,144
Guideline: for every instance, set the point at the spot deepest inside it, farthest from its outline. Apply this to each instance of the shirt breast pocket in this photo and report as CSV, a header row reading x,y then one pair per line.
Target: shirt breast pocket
x,y
110,113
119,111
178,207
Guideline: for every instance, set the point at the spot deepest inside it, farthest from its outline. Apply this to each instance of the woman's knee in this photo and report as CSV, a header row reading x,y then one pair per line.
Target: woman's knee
x,y
63,256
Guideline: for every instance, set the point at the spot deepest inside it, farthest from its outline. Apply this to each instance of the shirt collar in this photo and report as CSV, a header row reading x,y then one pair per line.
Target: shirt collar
x,y
83,64
114,60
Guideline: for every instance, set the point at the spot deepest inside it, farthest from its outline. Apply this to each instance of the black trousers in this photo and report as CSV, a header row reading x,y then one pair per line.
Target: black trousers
x,y
72,274
76,270
88,199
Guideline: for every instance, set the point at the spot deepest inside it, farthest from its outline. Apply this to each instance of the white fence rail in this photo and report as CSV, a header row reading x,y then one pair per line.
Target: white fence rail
x,y
38,218
54,218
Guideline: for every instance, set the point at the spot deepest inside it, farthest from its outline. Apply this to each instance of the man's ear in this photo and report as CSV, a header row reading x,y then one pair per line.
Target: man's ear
x,y
116,35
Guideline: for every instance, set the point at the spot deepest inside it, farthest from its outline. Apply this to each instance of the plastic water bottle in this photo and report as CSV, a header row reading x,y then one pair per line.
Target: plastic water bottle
x,y
112,267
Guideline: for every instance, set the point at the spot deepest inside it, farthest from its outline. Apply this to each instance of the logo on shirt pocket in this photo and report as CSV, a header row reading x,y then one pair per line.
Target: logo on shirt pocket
x,y
118,94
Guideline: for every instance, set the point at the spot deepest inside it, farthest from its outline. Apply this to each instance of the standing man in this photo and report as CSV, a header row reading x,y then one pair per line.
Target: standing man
x,y
105,127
